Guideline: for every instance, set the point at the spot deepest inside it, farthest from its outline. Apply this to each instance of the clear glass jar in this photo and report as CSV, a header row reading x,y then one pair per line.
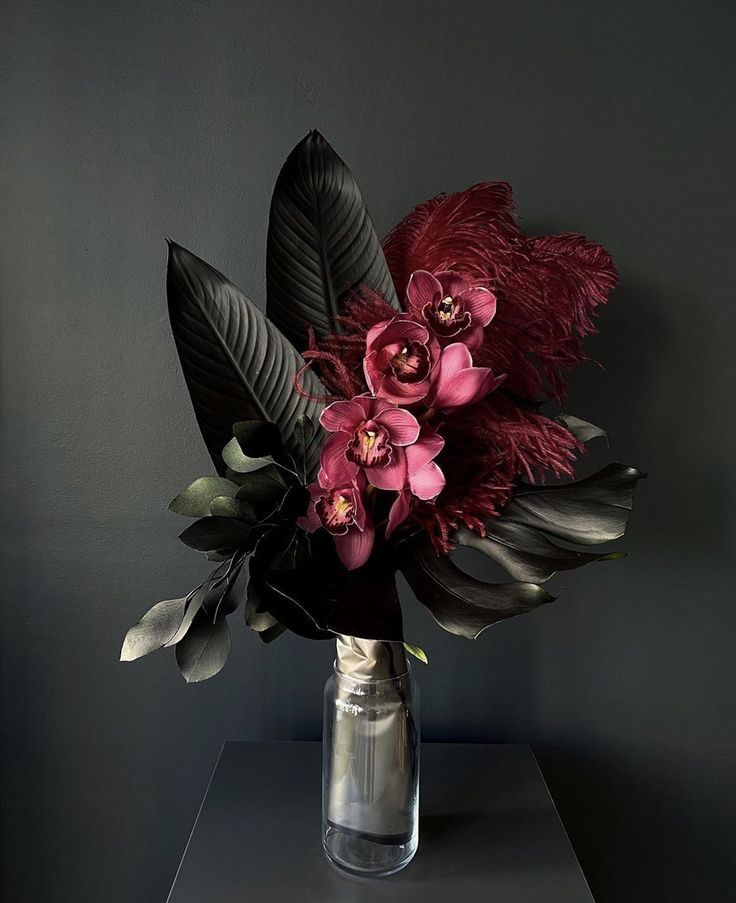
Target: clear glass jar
x,y
370,772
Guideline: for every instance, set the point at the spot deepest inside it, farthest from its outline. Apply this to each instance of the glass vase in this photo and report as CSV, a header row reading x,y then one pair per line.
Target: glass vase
x,y
370,772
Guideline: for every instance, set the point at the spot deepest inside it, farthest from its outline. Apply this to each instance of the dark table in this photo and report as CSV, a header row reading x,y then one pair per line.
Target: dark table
x,y
489,831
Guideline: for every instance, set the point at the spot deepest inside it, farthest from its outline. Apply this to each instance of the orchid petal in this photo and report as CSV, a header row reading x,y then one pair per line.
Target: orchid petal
x,y
427,447
341,415
354,547
465,388
427,482
398,513
454,358
481,303
473,337
422,289
452,284
401,425
393,475
336,470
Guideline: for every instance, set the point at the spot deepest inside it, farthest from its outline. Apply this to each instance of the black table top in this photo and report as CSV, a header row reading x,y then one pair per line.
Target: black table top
x,y
488,831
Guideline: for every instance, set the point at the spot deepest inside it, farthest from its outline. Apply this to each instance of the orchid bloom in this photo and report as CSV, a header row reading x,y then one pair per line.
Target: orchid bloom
x,y
450,306
340,510
368,434
400,356
457,382
424,479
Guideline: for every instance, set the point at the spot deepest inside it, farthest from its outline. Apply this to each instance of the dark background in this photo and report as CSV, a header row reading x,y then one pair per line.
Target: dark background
x,y
124,123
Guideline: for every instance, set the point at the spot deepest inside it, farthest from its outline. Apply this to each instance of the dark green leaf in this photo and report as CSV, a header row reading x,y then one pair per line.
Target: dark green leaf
x,y
259,438
525,554
321,243
204,650
304,431
581,429
589,511
224,506
238,461
236,364
154,630
460,603
195,500
262,490
212,533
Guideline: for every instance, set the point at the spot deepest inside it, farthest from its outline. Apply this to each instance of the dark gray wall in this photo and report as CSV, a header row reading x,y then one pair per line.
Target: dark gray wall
x,y
124,123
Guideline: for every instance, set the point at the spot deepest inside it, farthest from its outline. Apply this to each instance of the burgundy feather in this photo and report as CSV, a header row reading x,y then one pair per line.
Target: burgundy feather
x,y
548,289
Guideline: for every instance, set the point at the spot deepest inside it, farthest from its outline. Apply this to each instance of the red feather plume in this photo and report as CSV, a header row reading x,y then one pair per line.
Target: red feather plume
x,y
547,288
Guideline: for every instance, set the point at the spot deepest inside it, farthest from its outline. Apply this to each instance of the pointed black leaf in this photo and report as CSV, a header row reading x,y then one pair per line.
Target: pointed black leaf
x,y
214,533
460,603
524,553
581,429
204,650
154,630
589,511
236,364
322,246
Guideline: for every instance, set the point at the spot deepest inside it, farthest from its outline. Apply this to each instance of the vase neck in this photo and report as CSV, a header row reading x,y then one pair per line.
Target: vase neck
x,y
370,659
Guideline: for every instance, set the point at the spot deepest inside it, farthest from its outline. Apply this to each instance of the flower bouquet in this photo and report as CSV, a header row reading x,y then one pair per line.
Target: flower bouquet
x,y
386,410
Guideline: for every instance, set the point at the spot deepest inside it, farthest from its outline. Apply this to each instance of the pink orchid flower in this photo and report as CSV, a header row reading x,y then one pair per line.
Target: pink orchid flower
x,y
450,306
424,479
340,510
400,355
457,382
367,434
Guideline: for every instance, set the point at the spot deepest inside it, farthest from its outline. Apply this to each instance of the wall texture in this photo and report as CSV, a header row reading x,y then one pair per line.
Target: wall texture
x,y
124,123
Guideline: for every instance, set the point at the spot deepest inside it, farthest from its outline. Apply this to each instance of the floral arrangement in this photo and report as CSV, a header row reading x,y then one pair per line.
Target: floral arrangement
x,y
386,410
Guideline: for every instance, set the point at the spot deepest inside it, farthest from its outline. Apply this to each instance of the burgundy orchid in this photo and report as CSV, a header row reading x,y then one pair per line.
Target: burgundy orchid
x,y
450,306
457,382
400,355
340,510
368,434
424,478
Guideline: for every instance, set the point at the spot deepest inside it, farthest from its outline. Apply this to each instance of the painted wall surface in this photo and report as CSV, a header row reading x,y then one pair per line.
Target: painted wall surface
x,y
124,123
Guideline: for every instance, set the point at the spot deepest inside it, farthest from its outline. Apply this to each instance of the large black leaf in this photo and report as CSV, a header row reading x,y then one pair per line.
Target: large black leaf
x,y
589,511
526,554
460,603
321,243
237,365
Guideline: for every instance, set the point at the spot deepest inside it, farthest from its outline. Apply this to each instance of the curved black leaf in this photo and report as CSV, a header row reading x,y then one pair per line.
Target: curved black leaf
x,y
524,553
321,243
460,603
154,630
581,429
202,653
236,364
589,511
